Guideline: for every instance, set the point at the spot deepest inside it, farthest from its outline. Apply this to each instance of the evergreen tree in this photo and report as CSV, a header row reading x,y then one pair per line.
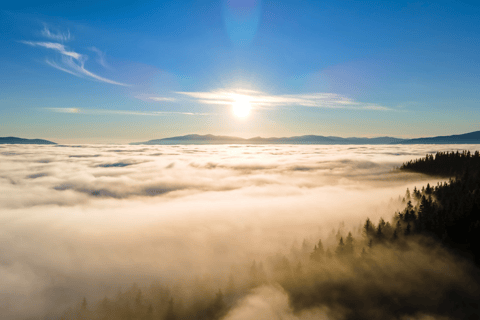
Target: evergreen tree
x,y
170,314
84,304
217,308
349,244
368,229
149,313
254,274
318,252
395,235
340,251
408,229
364,253
379,236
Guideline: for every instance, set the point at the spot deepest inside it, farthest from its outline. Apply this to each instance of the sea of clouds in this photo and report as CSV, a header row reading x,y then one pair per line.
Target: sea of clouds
x,y
85,220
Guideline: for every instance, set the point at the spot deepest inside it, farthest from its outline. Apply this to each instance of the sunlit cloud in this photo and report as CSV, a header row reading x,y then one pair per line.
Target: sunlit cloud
x,y
71,62
161,99
123,112
262,100
64,110
58,36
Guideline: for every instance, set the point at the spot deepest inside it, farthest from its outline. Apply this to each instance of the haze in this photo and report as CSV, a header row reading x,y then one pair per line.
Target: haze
x,y
84,221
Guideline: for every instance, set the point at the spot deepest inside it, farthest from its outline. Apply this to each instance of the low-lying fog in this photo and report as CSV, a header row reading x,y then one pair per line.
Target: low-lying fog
x,y
87,220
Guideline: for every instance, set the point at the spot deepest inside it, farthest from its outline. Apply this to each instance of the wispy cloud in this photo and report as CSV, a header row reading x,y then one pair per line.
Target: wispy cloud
x,y
58,36
71,62
63,110
124,112
100,57
262,100
56,46
161,99
155,98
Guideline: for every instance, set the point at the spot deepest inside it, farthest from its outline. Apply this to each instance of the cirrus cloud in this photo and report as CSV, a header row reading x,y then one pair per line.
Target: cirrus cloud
x,y
70,62
58,36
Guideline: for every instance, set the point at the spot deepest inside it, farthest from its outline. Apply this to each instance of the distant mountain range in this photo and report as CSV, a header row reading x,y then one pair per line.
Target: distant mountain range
x,y
310,139
15,140
468,138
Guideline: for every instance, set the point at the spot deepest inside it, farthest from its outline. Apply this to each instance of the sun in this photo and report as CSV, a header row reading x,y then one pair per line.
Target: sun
x,y
241,107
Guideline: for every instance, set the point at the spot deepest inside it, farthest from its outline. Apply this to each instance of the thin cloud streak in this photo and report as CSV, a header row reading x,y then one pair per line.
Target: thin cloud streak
x,y
161,99
262,100
55,36
100,57
56,46
71,62
123,112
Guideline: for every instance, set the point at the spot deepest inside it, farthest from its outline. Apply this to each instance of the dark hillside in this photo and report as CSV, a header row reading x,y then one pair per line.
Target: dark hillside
x,y
448,212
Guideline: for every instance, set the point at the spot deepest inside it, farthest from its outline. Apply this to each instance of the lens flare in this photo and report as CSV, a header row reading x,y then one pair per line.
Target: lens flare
x,y
241,18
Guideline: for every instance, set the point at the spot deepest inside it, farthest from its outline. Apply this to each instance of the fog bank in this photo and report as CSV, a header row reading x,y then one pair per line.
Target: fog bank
x,y
85,220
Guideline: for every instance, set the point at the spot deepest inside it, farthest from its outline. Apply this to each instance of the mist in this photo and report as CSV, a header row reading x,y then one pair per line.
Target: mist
x,y
90,220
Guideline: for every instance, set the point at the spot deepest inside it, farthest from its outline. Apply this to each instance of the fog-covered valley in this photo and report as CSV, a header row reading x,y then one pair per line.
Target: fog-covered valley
x,y
93,220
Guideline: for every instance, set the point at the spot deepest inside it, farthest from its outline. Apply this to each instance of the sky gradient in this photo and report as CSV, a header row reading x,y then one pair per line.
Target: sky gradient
x,y
120,71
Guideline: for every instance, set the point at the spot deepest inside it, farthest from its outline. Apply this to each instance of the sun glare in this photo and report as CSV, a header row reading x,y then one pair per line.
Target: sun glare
x,y
241,107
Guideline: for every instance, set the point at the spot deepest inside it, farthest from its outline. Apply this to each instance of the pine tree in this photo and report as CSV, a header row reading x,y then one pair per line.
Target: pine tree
x,y
368,228
170,315
395,235
318,252
379,234
349,244
340,251
408,229
138,303
217,307
149,313
254,274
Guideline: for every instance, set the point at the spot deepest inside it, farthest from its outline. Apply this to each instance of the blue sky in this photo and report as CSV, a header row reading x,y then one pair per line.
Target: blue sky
x,y
121,71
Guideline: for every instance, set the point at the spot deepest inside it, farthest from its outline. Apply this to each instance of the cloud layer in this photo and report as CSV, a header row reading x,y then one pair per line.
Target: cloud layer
x,y
82,220
262,100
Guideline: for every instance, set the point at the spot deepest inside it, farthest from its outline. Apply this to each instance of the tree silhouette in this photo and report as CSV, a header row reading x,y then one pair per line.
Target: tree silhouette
x,y
170,315
379,236
349,244
84,304
318,252
368,229
340,251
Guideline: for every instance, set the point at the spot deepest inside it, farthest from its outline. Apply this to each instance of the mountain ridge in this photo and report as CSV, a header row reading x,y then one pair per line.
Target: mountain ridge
x,y
16,140
467,138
